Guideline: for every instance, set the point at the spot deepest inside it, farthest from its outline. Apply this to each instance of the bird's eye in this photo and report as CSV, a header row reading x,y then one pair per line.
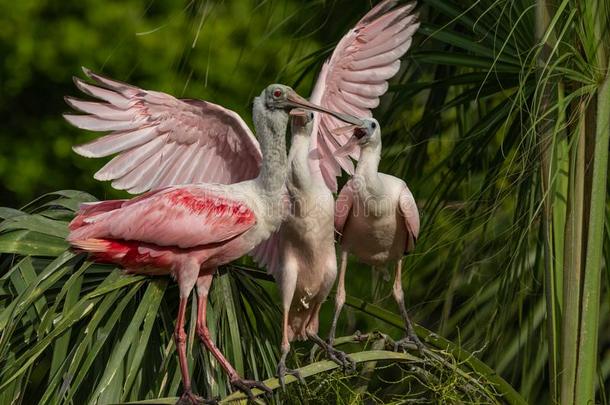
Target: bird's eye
x,y
373,125
309,115
277,93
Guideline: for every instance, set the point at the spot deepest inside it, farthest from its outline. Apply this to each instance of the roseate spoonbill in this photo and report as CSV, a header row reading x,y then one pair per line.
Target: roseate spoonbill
x,y
307,265
188,231
377,219
301,255
202,141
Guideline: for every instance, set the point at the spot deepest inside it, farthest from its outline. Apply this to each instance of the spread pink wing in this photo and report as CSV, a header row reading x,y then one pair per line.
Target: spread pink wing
x,y
355,76
161,140
343,206
165,218
408,210
267,253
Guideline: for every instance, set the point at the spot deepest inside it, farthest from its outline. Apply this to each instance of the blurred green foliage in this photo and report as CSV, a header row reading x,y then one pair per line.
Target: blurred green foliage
x,y
221,51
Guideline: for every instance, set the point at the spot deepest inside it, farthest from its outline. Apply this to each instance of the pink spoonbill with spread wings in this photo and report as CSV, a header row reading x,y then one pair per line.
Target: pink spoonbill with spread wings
x,y
188,231
162,141
377,219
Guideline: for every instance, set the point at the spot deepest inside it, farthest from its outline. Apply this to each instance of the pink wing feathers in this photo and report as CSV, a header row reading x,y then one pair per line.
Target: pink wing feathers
x,y
408,209
161,140
266,254
355,76
343,206
166,218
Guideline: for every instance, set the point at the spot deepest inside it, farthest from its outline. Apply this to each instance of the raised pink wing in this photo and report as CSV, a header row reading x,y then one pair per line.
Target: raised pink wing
x,y
166,217
408,209
343,206
355,76
161,140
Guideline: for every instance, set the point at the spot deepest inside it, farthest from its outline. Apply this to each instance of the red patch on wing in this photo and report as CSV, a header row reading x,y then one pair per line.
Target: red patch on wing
x,y
125,253
216,206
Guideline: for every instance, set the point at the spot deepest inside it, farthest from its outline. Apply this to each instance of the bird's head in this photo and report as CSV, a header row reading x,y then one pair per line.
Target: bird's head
x,y
367,135
272,108
281,97
276,97
302,121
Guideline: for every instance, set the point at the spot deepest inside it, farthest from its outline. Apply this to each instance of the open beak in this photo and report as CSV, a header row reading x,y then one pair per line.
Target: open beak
x,y
353,142
298,112
299,116
297,101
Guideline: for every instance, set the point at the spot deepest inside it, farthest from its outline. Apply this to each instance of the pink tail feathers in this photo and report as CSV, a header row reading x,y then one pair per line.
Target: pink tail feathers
x,y
88,234
87,210
109,251
94,245
81,229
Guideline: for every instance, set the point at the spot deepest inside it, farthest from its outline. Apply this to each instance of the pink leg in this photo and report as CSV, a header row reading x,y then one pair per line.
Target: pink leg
x,y
180,337
203,287
399,296
186,276
333,354
339,297
282,370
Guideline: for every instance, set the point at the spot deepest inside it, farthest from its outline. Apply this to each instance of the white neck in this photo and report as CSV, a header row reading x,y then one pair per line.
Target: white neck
x,y
300,175
367,172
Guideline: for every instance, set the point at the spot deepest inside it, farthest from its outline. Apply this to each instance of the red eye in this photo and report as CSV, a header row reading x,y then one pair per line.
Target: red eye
x,y
277,93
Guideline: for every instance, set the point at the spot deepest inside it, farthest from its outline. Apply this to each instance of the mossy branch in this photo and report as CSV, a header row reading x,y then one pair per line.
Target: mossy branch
x,y
508,393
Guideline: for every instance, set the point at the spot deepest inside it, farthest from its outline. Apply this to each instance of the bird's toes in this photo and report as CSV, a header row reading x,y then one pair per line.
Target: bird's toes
x,y
342,359
246,386
188,398
420,346
240,385
334,358
298,376
282,371
410,342
349,364
282,379
352,363
281,375
261,386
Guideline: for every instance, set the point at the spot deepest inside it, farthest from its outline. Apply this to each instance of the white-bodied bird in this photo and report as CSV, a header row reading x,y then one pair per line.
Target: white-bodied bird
x,y
377,220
